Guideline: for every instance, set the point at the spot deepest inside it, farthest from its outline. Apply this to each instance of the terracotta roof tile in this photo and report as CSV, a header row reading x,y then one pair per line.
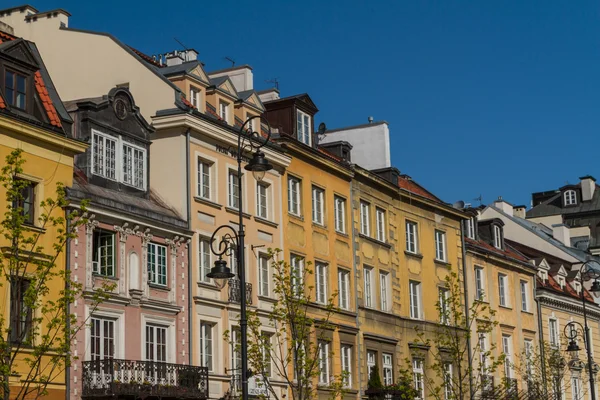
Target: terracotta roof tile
x,y
2,103
328,154
568,290
146,58
187,102
505,252
406,183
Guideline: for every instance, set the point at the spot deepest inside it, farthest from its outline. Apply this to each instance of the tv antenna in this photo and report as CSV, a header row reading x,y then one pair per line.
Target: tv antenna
x,y
182,45
479,199
274,81
231,60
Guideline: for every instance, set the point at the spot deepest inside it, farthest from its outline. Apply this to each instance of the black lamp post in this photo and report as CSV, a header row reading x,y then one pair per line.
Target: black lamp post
x,y
574,329
233,241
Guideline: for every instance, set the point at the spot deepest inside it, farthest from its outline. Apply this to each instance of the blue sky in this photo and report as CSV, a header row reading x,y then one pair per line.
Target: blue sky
x,y
483,97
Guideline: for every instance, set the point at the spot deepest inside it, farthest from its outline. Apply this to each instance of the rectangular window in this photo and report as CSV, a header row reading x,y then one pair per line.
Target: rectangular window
x,y
444,306
103,253
470,228
380,220
157,264
368,279
262,200
479,284
497,237
204,170
224,111
553,332
344,288
104,156
249,122
21,318
206,345
297,274
264,275
440,246
234,190
324,362
303,127
266,352
195,97
294,196
411,237
384,283
529,357
15,86
448,381
340,214
317,205
321,282
236,354
365,226
507,350
134,166
156,343
204,259
371,360
483,354
233,260
102,339
388,369
524,296
417,365
577,391
503,289
24,201
415,299
346,354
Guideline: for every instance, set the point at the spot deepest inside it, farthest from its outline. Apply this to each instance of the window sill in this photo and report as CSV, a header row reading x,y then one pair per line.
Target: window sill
x,y
236,212
265,221
295,216
527,312
33,228
111,278
159,287
370,239
267,299
207,202
343,234
442,263
208,285
505,307
319,226
415,255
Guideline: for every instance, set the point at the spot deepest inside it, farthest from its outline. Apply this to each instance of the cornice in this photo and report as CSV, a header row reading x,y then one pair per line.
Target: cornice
x,y
567,305
315,157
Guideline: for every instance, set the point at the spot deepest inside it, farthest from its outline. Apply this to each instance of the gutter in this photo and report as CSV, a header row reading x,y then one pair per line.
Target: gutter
x,y
541,331
189,219
467,317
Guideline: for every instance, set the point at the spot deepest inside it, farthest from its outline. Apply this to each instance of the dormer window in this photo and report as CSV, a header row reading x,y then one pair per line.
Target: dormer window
x,y
195,97
543,275
118,160
303,127
470,228
576,286
224,111
570,198
497,237
561,281
15,85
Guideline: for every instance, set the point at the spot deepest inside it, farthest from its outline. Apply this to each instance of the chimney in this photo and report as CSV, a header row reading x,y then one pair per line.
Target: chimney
x,y
241,77
588,185
268,95
174,58
190,55
561,233
519,211
504,206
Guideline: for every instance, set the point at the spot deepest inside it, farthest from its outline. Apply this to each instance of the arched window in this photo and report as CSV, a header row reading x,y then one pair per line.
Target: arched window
x,y
570,198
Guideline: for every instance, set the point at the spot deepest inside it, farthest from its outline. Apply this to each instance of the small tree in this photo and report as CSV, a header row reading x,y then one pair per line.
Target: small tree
x,y
374,379
298,325
35,342
460,365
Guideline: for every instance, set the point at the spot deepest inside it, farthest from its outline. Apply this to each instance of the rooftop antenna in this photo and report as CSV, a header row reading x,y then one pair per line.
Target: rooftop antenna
x,y
479,199
275,81
231,60
182,45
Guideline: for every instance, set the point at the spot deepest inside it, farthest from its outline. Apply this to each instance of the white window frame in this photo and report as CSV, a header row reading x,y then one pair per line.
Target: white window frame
x,y
418,377
380,223
371,361
507,351
576,388
303,124
324,362
368,280
204,178
134,165
204,259
262,199
503,299
97,262
264,274
553,332
207,343
443,299
412,237
365,223
340,214
154,276
224,110
525,304
297,265
105,159
448,377
195,96
344,288
497,237
232,182
528,350
416,309
440,246
318,205
479,283
570,197
470,224
384,287
346,355
294,196
483,349
387,368
321,279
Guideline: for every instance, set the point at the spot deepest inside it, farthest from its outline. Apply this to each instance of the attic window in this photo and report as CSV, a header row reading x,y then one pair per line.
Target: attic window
x,y
303,127
543,275
570,198
497,237
561,281
15,85
470,228
577,286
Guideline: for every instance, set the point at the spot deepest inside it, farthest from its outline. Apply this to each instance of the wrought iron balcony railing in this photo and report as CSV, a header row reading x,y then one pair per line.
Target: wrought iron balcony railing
x,y
113,378
235,292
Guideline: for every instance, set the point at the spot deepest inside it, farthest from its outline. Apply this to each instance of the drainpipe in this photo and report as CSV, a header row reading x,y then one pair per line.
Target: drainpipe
x,y
541,331
68,267
354,250
189,219
467,317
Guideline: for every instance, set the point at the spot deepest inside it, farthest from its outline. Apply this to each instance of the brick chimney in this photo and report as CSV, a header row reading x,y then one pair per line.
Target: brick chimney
x,y
588,185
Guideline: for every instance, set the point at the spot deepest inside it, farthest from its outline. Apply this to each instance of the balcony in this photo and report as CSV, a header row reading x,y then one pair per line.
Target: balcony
x,y
120,378
235,292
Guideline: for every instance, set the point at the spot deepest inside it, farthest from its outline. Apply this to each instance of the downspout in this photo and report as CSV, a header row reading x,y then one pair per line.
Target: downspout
x,y
354,252
467,317
68,327
541,331
189,252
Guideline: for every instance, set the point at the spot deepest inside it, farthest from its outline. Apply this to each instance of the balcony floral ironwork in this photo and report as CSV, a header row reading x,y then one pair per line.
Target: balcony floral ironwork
x,y
235,292
114,378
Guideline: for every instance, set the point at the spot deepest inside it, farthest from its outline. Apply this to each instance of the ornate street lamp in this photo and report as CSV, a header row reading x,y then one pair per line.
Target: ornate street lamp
x,y
233,242
574,329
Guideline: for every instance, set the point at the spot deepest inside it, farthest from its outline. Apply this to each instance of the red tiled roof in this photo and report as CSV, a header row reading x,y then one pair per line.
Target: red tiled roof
x,y
187,102
408,184
568,289
328,154
488,247
146,57
40,86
